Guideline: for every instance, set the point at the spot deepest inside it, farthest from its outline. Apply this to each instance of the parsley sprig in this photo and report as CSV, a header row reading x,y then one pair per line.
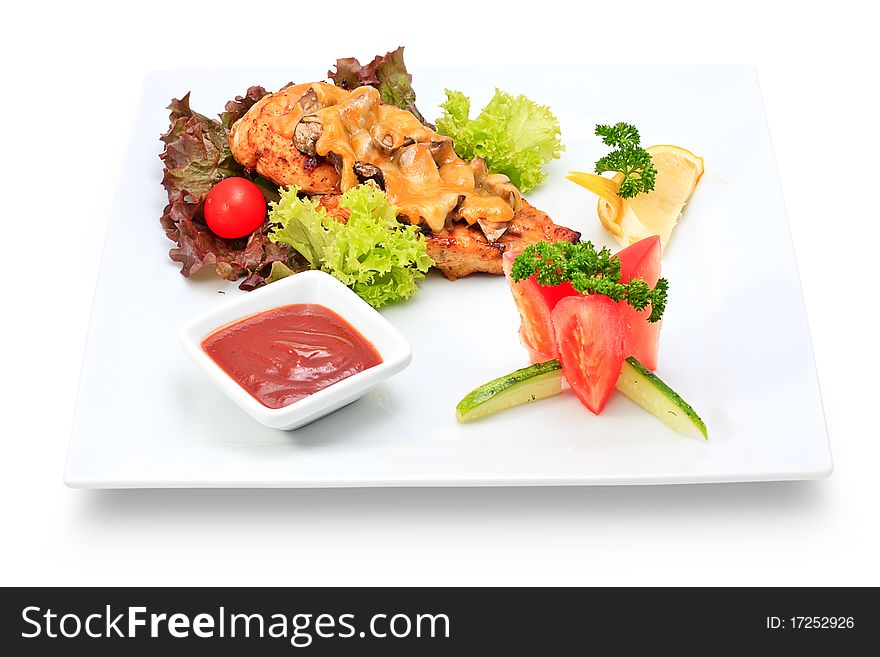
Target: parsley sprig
x,y
629,158
590,272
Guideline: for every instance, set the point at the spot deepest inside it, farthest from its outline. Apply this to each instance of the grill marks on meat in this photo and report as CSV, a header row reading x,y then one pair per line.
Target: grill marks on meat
x,y
462,250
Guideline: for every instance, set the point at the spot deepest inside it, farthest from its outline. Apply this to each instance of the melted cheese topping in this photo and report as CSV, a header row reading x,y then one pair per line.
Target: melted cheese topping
x,y
423,176
283,110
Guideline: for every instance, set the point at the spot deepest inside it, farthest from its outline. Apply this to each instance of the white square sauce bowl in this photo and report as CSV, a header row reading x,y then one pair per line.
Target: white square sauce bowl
x,y
310,287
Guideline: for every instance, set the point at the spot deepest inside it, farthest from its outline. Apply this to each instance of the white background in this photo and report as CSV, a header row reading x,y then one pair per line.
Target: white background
x,y
71,77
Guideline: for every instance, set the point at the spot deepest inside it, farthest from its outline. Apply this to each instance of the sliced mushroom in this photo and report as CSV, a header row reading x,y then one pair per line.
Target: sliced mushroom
x,y
306,134
499,185
493,229
335,160
480,169
442,151
309,102
387,139
370,173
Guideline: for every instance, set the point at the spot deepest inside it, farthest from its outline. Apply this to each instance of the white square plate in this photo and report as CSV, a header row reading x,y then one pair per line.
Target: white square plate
x,y
735,341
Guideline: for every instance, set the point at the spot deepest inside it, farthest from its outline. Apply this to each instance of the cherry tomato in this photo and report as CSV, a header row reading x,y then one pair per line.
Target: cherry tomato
x,y
235,207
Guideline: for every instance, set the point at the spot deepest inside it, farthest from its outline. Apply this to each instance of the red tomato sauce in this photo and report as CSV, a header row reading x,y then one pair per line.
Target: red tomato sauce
x,y
285,354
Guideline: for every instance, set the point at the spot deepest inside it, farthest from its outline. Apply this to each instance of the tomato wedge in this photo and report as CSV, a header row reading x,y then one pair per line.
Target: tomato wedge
x,y
536,329
590,334
536,302
641,260
553,294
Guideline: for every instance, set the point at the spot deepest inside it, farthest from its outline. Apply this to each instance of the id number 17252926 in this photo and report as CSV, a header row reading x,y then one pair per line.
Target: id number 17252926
x,y
810,623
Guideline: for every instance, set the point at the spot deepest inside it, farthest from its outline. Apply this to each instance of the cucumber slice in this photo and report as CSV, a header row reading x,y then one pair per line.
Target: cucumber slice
x,y
520,387
545,380
648,391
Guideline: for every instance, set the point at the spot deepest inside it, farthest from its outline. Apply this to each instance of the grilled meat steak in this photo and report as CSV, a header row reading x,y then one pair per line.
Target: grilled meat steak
x,y
325,139
462,249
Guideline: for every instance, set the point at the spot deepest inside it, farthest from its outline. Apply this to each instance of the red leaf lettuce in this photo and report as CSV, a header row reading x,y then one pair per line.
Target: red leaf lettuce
x,y
387,73
197,157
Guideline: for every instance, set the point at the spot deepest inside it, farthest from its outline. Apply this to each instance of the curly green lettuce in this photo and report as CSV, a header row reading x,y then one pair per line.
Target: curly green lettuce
x,y
379,258
515,135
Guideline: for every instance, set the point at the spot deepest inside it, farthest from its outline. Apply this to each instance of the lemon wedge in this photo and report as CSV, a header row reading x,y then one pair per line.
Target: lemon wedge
x,y
655,213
